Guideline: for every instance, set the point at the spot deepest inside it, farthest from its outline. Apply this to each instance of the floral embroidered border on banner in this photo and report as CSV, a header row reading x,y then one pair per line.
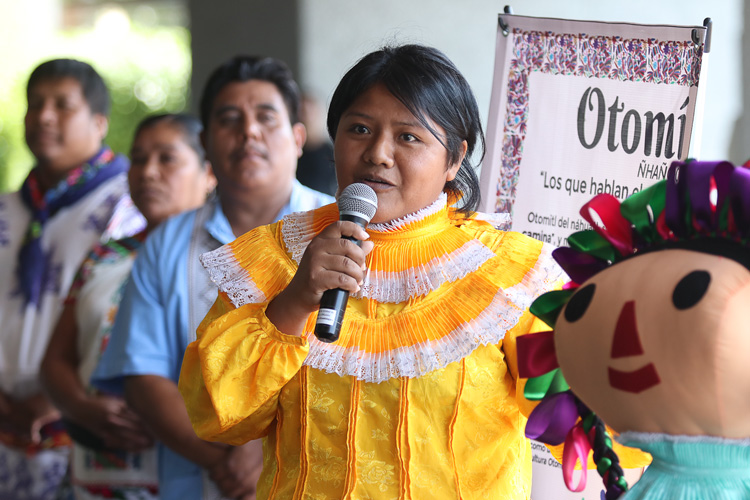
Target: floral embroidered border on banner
x,y
635,60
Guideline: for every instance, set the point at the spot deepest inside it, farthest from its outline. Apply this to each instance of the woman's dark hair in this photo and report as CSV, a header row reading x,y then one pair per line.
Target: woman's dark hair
x,y
432,88
245,68
92,85
189,126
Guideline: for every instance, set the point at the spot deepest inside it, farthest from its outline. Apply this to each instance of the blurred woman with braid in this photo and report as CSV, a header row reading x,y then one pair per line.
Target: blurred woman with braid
x,y
113,454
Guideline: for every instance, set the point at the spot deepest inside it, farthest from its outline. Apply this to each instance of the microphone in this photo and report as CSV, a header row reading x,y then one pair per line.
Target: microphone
x,y
357,203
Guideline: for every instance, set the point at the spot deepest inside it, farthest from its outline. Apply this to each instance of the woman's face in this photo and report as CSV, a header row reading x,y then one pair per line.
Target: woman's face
x,y
166,175
379,142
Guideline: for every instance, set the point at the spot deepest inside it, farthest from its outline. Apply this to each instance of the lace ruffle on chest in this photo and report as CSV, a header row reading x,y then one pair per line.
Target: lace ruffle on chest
x,y
437,287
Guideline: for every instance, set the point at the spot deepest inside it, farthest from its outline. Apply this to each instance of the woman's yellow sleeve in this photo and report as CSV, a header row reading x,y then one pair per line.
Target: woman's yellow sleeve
x,y
233,373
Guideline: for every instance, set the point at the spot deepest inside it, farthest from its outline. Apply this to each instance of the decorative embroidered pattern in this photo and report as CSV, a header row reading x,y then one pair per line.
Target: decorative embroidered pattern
x,y
103,168
50,278
4,238
104,253
21,479
99,219
614,58
38,472
4,226
126,219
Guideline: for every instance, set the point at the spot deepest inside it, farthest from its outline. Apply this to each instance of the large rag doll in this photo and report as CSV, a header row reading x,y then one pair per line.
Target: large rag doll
x,y
652,337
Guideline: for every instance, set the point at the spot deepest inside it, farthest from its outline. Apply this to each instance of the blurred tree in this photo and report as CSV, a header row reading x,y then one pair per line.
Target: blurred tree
x,y
146,67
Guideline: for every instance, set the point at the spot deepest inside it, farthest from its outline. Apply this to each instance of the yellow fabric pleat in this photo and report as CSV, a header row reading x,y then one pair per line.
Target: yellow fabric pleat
x,y
304,435
351,444
454,419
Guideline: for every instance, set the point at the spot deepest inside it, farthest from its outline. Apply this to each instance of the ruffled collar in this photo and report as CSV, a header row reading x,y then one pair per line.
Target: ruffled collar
x,y
455,284
298,229
416,253
412,221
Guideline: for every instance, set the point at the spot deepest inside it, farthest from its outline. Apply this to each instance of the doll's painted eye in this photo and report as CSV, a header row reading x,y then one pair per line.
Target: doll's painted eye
x,y
579,302
691,289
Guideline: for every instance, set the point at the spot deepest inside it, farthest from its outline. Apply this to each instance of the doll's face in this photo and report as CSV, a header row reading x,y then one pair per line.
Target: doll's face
x,y
661,343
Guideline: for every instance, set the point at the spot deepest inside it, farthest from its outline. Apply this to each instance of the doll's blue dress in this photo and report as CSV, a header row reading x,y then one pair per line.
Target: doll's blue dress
x,y
691,467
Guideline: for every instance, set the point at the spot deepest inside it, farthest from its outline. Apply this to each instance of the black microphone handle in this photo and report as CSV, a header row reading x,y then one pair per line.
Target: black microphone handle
x,y
333,302
331,314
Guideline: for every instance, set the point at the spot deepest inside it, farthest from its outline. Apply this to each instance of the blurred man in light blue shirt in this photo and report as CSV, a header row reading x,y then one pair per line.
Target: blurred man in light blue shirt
x,y
252,137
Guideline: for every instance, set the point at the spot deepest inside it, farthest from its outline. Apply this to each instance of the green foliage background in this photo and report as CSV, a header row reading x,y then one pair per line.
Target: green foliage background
x,y
147,70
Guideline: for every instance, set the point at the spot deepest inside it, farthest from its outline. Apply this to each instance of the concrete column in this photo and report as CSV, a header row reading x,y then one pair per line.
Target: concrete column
x,y
739,149
222,29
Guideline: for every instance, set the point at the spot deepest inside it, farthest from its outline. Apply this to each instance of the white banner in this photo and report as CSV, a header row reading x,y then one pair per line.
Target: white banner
x,y
580,108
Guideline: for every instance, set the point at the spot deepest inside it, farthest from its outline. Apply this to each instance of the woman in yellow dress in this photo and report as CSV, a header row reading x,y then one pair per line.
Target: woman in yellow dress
x,y
419,396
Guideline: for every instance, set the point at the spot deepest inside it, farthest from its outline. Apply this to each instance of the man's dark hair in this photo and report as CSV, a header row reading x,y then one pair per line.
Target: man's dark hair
x,y
94,90
432,88
245,68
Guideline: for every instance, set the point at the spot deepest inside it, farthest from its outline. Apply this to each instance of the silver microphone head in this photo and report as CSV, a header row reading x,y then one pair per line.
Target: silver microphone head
x,y
358,200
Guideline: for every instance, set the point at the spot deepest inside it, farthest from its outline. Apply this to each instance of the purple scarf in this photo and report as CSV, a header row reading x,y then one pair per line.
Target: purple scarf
x,y
77,184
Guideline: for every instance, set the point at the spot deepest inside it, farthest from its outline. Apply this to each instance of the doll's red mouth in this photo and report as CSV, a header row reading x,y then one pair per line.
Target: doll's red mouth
x,y
636,381
626,343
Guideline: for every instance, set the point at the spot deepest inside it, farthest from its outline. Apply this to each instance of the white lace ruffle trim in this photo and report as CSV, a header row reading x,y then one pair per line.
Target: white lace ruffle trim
x,y
384,287
297,229
231,278
396,224
417,360
297,232
395,287
488,328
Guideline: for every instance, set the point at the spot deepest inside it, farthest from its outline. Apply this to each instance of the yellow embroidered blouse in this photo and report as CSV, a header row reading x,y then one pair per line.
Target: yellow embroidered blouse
x,y
417,400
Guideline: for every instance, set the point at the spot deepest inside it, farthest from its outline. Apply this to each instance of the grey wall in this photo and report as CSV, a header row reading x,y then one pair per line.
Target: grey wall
x,y
321,39
740,145
221,29
335,33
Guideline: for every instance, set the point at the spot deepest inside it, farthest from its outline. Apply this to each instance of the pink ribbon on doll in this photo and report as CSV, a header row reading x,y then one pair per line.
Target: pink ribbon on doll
x,y
576,449
603,213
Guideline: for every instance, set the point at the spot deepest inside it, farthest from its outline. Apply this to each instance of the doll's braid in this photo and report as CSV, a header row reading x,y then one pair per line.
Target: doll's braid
x,y
605,458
